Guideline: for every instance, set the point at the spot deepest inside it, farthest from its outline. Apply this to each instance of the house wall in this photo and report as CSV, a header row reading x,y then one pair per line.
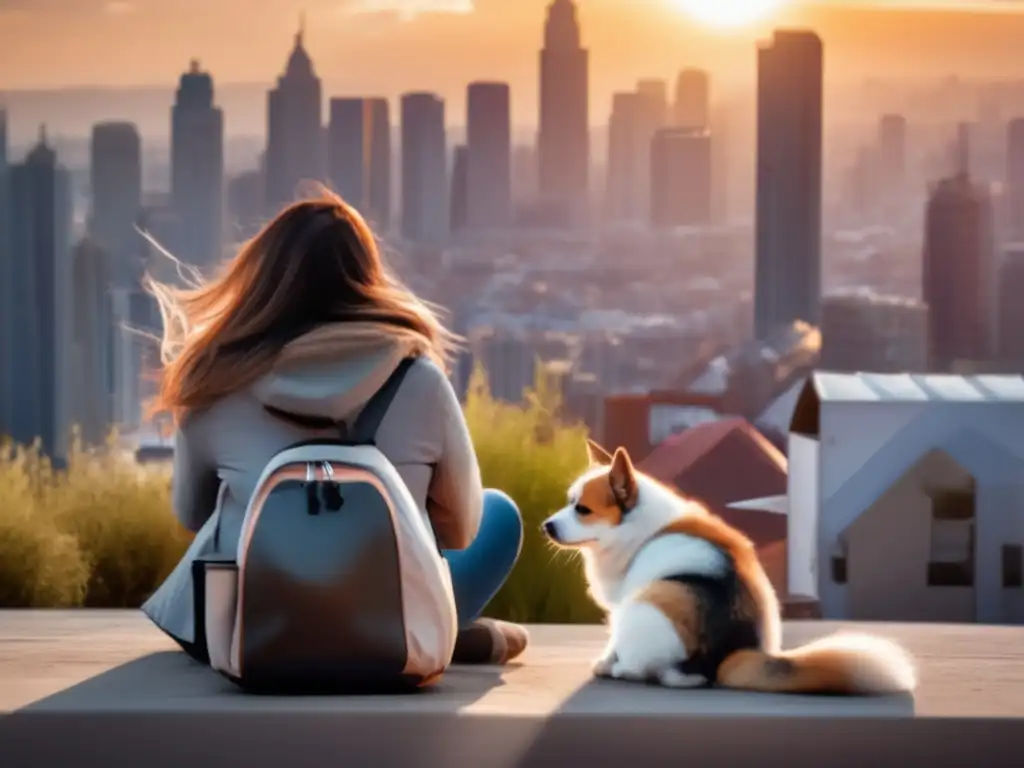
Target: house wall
x,y
888,549
802,525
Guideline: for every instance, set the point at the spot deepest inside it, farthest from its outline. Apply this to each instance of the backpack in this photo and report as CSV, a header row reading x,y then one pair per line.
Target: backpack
x,y
338,584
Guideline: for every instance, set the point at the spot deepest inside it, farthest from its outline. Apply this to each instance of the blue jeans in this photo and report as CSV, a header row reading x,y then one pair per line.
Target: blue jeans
x,y
479,570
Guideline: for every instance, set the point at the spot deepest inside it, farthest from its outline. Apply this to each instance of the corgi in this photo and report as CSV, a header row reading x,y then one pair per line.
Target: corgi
x,y
688,602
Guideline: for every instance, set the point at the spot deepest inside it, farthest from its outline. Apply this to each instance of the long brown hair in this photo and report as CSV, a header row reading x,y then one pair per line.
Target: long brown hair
x,y
317,262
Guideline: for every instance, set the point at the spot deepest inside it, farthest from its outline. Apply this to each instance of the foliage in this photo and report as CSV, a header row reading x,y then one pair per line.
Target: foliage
x,y
100,533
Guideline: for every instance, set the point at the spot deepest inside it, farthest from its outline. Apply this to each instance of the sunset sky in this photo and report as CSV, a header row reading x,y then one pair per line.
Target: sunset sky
x,y
390,45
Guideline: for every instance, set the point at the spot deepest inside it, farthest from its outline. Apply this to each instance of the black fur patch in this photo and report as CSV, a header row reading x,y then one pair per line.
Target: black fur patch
x,y
724,626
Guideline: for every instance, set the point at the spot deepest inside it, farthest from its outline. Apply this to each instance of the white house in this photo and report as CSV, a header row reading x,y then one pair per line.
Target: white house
x,y
906,497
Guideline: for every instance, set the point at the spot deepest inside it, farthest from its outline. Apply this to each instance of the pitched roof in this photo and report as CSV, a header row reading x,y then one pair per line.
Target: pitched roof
x,y
720,463
910,387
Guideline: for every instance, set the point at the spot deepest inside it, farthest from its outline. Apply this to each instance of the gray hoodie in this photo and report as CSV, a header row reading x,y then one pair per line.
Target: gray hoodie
x,y
220,452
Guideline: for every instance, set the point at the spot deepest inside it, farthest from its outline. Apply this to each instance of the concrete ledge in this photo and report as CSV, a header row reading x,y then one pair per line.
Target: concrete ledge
x,y
105,688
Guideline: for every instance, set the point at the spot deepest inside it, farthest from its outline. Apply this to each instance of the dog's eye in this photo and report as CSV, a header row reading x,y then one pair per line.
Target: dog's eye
x,y
583,511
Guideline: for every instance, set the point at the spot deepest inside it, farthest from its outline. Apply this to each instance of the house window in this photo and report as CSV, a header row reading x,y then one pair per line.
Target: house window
x,y
951,563
838,561
1013,566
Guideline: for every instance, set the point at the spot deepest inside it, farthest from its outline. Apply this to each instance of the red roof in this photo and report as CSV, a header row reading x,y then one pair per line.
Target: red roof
x,y
720,463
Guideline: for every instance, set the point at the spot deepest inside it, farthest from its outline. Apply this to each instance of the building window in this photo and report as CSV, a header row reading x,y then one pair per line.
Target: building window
x,y
951,563
1013,566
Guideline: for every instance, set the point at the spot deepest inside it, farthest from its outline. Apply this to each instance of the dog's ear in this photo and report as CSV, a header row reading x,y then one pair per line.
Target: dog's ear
x,y
598,456
622,478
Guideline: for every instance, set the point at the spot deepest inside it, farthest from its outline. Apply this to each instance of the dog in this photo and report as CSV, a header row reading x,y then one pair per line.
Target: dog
x,y
689,604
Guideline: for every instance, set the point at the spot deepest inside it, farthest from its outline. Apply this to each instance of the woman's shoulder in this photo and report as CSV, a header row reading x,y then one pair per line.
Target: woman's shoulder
x,y
426,378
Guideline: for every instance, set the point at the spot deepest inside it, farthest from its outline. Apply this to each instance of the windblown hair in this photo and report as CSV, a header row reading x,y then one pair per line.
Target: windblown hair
x,y
317,262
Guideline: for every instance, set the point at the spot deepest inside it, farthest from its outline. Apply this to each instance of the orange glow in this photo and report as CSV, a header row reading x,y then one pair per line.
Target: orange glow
x,y
728,13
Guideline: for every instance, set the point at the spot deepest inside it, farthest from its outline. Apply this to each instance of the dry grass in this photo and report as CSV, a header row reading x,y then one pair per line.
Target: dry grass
x,y
101,533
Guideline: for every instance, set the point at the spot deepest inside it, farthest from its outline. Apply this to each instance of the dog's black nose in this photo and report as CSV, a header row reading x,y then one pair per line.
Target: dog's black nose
x,y
549,529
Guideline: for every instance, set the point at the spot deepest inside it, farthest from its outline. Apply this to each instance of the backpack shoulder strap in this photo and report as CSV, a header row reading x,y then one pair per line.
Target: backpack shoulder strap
x,y
365,428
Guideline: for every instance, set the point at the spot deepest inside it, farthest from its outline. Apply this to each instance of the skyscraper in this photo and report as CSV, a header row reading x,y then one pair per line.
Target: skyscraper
x,y
6,279
563,141
959,272
295,136
680,173
626,156
693,89
652,117
115,174
489,155
359,156
425,218
1010,325
40,310
892,150
1015,177
197,170
93,342
789,158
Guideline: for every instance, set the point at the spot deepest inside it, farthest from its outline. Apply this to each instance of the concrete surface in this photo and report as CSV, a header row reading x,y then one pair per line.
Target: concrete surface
x,y
107,688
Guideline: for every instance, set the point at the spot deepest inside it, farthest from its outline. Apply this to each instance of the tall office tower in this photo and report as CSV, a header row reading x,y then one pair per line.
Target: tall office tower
x,y
246,205
653,116
6,278
135,358
197,170
693,89
359,156
489,155
563,140
93,338
425,218
1015,177
892,151
958,272
295,136
789,157
1010,324
862,331
626,156
459,203
680,173
115,175
41,308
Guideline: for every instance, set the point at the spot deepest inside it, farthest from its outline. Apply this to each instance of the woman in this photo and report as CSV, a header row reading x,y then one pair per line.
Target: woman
x,y
307,319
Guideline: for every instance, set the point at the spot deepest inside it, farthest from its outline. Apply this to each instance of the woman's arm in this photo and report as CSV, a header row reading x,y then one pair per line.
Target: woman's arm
x,y
455,498
195,485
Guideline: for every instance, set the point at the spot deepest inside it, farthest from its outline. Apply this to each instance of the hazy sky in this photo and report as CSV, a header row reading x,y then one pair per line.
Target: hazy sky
x,y
389,45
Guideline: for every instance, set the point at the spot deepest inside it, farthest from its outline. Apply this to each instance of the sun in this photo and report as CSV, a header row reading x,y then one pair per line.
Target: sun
x,y
728,13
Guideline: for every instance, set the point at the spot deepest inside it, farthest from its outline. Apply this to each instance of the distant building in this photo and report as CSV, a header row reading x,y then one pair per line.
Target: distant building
x,y
892,152
509,362
246,205
93,347
135,314
901,501
425,217
627,153
459,205
115,181
489,156
693,87
359,156
295,137
197,170
41,303
1010,324
1015,177
652,116
680,173
959,272
7,334
872,333
563,139
789,181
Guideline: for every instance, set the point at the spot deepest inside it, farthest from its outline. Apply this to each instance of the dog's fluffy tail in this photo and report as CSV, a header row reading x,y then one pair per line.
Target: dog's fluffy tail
x,y
845,664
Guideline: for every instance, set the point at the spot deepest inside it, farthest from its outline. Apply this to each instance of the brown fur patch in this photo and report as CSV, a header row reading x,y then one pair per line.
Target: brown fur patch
x,y
597,496
757,598
819,670
681,606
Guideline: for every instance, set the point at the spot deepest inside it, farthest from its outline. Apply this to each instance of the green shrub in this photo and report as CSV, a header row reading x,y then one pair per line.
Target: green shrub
x,y
101,534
